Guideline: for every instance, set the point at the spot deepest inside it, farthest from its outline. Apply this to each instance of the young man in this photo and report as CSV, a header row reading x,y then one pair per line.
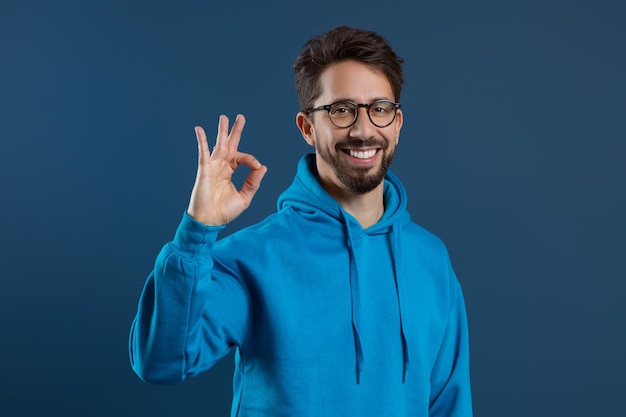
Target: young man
x,y
337,304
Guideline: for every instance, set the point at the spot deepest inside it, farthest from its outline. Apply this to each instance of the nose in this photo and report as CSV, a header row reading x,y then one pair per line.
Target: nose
x,y
363,127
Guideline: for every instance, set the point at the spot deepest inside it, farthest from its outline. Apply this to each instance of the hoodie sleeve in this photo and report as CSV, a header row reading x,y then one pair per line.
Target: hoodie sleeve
x,y
450,379
187,319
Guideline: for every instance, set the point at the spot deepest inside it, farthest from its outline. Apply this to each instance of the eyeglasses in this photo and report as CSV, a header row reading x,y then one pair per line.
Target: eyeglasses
x,y
344,113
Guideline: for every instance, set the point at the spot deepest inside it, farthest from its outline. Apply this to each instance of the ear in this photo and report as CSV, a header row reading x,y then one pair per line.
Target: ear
x,y
398,122
305,126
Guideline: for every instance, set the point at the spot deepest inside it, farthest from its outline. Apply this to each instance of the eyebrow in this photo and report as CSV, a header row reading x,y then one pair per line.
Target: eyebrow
x,y
354,101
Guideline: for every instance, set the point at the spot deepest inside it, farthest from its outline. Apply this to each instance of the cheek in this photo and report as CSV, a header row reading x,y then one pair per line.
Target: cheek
x,y
322,138
397,135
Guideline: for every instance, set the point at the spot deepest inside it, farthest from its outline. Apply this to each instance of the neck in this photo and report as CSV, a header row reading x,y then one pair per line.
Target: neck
x,y
367,208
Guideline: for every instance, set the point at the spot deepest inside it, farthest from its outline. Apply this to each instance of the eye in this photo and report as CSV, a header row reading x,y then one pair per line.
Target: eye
x,y
381,108
341,110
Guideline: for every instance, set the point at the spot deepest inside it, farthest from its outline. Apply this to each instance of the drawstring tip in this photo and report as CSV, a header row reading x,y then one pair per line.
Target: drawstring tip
x,y
404,375
358,376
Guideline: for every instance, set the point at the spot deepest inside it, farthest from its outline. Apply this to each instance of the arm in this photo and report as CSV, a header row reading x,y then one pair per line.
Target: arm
x,y
187,319
450,378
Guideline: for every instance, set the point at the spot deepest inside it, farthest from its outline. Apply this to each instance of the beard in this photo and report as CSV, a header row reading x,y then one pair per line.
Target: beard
x,y
360,180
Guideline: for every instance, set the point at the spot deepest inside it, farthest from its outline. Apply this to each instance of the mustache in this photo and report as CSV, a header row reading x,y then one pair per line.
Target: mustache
x,y
362,143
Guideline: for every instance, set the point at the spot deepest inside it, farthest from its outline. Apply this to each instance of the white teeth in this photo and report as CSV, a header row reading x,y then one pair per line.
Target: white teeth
x,y
362,154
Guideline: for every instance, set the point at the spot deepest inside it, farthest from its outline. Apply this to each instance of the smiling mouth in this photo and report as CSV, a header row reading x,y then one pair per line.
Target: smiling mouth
x,y
366,154
362,154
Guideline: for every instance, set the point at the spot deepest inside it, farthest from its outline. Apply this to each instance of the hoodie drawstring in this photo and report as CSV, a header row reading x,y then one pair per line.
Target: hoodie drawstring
x,y
396,252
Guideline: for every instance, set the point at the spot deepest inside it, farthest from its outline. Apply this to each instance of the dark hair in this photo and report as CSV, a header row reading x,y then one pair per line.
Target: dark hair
x,y
340,44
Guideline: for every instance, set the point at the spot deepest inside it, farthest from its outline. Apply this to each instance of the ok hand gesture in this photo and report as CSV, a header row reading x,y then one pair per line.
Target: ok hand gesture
x,y
215,200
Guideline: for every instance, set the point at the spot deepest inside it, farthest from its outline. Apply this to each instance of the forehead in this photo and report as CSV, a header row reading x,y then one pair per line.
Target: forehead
x,y
352,80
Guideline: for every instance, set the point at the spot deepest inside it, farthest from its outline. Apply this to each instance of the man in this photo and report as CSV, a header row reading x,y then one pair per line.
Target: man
x,y
337,304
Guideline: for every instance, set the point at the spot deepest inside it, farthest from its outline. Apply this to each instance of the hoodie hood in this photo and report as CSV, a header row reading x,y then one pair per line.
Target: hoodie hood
x,y
307,196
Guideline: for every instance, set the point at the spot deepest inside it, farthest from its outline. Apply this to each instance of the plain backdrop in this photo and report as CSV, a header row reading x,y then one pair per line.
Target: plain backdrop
x,y
513,152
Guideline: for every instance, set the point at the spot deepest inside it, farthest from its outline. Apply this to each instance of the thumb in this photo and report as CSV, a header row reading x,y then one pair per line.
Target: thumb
x,y
252,183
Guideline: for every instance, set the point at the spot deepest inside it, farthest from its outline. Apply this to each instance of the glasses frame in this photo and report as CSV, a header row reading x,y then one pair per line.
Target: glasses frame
x,y
327,107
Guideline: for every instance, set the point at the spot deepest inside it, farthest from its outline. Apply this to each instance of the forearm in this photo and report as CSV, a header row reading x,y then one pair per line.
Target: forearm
x,y
168,335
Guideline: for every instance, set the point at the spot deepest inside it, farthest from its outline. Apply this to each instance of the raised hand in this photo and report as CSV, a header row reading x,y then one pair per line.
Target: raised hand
x,y
215,200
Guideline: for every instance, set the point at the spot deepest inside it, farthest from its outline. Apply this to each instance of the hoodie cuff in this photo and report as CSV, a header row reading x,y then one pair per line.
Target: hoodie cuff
x,y
194,239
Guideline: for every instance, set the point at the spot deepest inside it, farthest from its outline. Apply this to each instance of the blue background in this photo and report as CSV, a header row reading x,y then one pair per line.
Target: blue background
x,y
512,151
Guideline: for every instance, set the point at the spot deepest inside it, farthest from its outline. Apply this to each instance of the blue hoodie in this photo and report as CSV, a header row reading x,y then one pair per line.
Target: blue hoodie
x,y
326,318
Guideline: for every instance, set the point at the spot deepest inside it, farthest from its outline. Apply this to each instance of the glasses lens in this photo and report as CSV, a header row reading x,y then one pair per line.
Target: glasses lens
x,y
342,114
382,113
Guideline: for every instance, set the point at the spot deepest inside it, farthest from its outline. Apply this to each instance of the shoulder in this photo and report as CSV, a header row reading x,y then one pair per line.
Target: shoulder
x,y
275,227
425,248
420,236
